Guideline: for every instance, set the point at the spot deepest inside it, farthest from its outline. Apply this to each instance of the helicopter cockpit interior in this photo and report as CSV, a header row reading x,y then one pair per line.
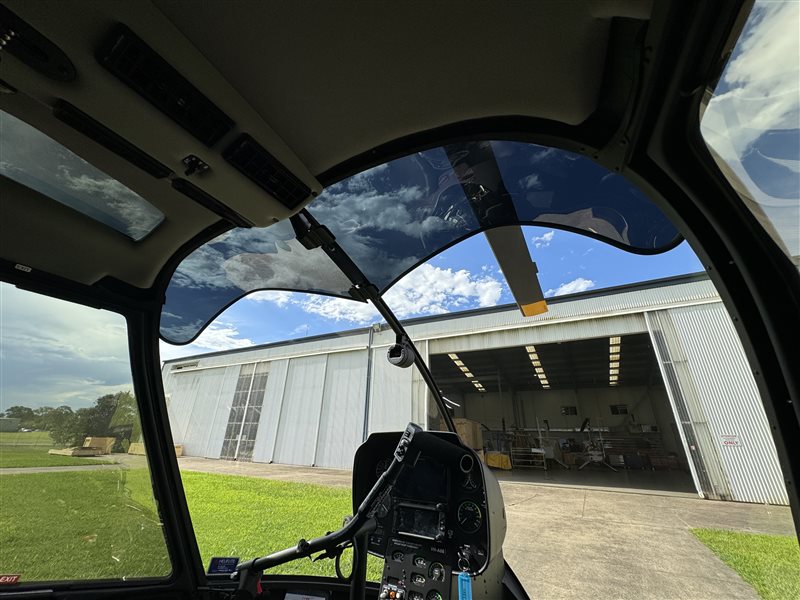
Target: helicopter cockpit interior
x,y
162,159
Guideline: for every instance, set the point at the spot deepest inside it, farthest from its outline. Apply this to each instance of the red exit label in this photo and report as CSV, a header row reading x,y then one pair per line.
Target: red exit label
x,y
9,579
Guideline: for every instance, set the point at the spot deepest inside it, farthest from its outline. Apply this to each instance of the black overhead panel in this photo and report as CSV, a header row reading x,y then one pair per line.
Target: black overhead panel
x,y
565,365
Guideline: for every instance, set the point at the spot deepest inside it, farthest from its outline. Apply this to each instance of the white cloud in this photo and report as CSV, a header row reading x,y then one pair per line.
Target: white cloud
x,y
542,241
542,155
427,290
531,182
277,297
31,157
54,352
221,336
580,284
246,259
339,309
217,337
301,330
760,95
763,82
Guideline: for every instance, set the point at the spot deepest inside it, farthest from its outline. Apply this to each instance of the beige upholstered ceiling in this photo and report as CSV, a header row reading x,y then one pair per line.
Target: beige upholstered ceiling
x,y
314,82
335,79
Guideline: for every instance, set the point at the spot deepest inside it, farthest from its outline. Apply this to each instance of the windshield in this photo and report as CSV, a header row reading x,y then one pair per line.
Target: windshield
x,y
751,123
396,216
615,415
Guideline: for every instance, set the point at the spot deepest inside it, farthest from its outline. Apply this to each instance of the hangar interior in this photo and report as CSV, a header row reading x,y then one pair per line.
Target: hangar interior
x,y
591,411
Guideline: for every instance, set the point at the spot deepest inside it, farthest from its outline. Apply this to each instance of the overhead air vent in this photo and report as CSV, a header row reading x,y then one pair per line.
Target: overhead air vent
x,y
32,48
247,155
138,66
209,202
79,120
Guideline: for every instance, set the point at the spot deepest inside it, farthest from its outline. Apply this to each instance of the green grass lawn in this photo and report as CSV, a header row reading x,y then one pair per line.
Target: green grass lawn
x,y
37,456
80,525
770,563
29,449
247,517
34,438
102,524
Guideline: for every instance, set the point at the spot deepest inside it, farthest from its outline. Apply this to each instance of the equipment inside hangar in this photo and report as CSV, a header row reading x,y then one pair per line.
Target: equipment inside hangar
x,y
585,411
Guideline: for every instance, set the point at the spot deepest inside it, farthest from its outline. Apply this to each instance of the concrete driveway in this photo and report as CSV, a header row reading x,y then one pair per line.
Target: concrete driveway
x,y
594,543
582,543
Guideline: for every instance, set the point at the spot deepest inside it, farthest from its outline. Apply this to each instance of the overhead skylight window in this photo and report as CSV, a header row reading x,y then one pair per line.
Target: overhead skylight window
x,y
38,162
396,216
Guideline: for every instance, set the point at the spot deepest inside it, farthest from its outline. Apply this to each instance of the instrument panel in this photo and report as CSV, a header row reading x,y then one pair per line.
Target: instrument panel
x,y
431,524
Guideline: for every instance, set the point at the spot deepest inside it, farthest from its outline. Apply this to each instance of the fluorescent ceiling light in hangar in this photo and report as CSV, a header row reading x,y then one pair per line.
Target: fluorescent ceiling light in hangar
x,y
572,364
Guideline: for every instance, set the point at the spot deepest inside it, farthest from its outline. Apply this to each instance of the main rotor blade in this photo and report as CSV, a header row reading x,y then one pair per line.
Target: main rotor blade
x,y
511,252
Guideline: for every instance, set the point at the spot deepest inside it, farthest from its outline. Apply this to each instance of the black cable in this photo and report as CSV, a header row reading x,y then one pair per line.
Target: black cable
x,y
337,564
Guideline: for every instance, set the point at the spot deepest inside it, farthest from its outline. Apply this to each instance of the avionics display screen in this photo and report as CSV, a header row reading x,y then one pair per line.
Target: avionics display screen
x,y
427,481
422,522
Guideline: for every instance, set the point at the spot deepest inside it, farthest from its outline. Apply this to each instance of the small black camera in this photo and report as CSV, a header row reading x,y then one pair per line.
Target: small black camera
x,y
401,354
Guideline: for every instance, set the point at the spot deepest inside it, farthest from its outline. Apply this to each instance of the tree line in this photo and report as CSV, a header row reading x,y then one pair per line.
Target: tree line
x,y
112,415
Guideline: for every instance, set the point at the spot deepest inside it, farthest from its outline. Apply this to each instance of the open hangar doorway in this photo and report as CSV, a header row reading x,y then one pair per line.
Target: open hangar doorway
x,y
584,412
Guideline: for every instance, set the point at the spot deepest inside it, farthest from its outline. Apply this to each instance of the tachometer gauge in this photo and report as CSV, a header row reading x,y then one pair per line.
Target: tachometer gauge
x,y
469,516
434,595
436,571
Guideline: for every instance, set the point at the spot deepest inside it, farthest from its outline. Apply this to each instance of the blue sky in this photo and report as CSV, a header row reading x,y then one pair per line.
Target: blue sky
x,y
468,276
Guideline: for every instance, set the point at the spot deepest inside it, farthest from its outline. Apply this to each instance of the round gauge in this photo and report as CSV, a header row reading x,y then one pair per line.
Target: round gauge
x,y
469,516
419,561
398,556
382,465
436,571
434,595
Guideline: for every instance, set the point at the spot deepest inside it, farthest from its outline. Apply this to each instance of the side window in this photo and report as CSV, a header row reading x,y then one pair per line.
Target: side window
x,y
76,499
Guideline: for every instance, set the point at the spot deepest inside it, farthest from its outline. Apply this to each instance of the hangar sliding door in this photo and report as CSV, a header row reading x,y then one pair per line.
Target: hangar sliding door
x,y
198,402
717,404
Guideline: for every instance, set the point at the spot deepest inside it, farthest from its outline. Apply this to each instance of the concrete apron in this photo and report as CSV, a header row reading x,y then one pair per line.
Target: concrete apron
x,y
580,543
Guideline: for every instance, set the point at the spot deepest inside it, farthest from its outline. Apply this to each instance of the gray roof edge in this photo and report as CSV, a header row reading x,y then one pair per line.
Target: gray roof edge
x,y
609,291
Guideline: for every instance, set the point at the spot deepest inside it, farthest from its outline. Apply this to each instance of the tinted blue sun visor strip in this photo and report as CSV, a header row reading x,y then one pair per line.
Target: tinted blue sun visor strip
x,y
394,217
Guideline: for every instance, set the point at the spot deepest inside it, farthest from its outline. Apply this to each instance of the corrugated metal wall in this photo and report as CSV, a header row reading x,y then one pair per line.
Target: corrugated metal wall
x,y
341,422
199,404
300,407
313,407
314,404
389,394
708,372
